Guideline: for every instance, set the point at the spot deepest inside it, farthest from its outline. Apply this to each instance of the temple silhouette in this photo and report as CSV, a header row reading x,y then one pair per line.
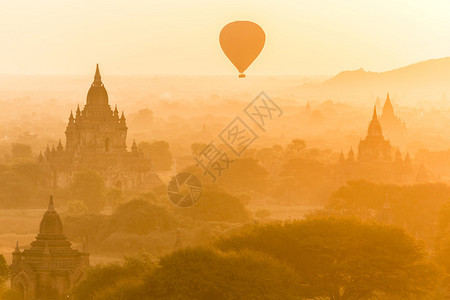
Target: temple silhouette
x,y
50,268
377,160
394,128
374,147
96,140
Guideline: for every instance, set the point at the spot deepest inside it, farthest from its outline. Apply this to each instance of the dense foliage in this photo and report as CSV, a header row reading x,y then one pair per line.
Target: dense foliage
x,y
103,279
89,187
344,258
4,273
159,153
197,273
413,207
217,205
21,184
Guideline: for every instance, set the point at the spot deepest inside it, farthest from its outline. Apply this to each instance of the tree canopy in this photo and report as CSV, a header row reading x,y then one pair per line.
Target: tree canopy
x,y
102,280
414,207
4,272
197,273
159,153
216,205
19,151
89,187
344,258
140,217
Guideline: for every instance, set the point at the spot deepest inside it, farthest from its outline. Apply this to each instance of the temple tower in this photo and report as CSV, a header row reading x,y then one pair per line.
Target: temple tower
x,y
97,128
50,268
374,147
394,128
96,140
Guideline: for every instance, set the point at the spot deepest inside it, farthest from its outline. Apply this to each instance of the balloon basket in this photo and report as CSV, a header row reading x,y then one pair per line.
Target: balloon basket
x,y
242,75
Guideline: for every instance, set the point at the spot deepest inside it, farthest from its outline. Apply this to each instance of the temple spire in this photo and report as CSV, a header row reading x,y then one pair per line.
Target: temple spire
x,y
388,109
51,206
78,113
17,249
40,157
60,146
97,77
375,113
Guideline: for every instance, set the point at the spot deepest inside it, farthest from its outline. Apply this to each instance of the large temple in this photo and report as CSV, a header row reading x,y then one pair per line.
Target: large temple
x,y
377,160
374,147
394,128
50,268
96,140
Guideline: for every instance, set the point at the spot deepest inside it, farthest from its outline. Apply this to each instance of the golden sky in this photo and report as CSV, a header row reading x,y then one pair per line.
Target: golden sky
x,y
307,37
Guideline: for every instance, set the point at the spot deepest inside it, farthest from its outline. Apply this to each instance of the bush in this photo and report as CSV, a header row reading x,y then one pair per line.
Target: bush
x,y
218,206
88,186
343,257
139,217
198,273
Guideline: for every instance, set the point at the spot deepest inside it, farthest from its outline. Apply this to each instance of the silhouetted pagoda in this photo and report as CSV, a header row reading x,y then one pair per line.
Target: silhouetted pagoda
x,y
96,140
393,127
50,268
374,147
375,159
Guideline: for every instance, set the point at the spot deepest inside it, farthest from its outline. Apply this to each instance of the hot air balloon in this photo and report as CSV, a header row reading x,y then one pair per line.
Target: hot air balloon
x,y
242,41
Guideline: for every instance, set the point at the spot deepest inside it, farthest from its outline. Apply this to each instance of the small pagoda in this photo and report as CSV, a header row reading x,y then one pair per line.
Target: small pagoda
x,y
50,268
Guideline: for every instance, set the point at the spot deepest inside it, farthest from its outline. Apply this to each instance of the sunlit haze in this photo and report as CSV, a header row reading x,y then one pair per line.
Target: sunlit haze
x,y
235,149
181,37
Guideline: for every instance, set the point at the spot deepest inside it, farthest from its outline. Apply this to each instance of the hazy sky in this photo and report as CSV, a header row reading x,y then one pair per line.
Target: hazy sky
x,y
181,37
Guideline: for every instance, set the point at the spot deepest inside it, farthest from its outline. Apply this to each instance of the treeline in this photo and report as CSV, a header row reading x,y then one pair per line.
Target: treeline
x,y
149,222
420,209
328,258
288,175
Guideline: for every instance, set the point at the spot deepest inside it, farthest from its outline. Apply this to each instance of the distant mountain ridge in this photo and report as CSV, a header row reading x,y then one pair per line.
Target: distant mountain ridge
x,y
431,75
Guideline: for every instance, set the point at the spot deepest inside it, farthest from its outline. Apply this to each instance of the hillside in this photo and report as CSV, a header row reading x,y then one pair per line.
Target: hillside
x,y
427,79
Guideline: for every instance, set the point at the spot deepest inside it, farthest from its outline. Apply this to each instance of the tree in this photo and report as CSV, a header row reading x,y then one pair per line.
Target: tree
x,y
244,175
202,273
76,208
142,118
114,197
217,205
139,217
303,179
21,151
88,186
196,148
416,207
344,258
4,273
198,273
19,184
102,279
296,147
159,153
80,227
271,159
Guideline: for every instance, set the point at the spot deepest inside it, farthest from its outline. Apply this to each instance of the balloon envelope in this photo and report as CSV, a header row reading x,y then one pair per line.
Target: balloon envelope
x,y
242,41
